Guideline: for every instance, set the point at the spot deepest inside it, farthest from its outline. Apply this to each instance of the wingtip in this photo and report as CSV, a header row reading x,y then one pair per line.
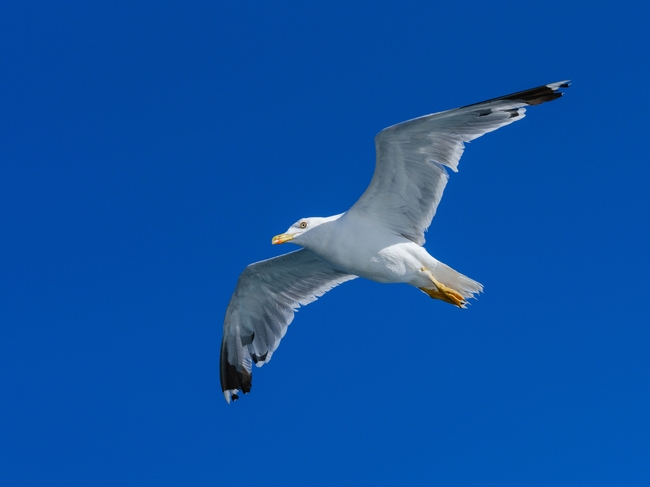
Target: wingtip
x,y
532,96
233,378
539,95
559,84
231,394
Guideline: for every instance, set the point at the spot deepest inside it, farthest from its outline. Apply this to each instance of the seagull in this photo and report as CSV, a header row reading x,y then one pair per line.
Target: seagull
x,y
380,237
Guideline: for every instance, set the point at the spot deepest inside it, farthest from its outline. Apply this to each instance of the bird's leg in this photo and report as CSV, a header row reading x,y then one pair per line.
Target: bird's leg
x,y
443,292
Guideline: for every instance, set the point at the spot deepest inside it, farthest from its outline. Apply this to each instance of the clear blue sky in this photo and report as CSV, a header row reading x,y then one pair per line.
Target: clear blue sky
x,y
149,152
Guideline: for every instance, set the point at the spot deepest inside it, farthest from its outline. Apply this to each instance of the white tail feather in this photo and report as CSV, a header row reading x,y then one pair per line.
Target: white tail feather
x,y
458,282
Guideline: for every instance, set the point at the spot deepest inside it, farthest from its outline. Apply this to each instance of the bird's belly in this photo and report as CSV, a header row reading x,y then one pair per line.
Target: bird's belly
x,y
392,263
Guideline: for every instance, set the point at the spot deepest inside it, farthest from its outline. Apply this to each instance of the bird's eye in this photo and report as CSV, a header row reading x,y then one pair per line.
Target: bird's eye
x,y
303,225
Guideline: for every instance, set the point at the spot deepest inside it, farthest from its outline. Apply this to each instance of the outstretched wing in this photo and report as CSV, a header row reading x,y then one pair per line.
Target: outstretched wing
x,y
409,175
262,307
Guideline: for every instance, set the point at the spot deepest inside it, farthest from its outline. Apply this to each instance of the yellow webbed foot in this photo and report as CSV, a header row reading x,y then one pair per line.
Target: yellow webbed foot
x,y
448,296
443,292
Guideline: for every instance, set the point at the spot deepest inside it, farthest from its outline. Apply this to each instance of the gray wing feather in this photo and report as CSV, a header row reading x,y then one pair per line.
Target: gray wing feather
x,y
263,305
409,177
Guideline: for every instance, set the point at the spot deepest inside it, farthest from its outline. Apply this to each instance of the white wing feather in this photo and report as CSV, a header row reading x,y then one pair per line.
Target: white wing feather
x,y
263,305
409,176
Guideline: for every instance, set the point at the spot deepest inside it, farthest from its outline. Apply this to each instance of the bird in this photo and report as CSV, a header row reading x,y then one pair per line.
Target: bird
x,y
379,238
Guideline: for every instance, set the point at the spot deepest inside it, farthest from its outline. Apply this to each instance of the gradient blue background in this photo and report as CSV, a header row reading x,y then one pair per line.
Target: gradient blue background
x,y
149,152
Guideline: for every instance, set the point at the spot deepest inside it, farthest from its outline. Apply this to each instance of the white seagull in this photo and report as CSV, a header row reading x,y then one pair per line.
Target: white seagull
x,y
379,238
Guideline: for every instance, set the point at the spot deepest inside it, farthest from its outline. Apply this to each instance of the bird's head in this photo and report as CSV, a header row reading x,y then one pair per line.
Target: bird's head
x,y
296,233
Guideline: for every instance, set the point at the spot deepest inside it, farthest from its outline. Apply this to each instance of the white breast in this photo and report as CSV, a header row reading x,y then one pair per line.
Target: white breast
x,y
360,247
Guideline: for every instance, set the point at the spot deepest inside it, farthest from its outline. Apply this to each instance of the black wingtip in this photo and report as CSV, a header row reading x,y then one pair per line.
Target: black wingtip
x,y
233,380
533,96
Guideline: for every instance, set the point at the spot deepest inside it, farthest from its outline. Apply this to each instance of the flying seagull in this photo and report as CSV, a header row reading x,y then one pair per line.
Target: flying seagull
x,y
380,238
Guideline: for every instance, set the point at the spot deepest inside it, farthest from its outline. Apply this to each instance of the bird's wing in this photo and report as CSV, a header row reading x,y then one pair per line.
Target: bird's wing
x,y
262,307
409,173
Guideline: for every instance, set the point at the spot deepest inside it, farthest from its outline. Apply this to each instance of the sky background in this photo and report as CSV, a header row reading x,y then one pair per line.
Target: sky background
x,y
149,152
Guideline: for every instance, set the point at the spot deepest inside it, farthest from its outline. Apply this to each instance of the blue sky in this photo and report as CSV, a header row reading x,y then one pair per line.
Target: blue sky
x,y
150,152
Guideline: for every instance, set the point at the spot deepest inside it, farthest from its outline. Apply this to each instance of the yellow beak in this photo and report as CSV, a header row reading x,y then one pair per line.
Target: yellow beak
x,y
282,238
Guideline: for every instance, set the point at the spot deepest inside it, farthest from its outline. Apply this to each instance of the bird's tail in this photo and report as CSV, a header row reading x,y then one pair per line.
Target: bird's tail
x,y
458,282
